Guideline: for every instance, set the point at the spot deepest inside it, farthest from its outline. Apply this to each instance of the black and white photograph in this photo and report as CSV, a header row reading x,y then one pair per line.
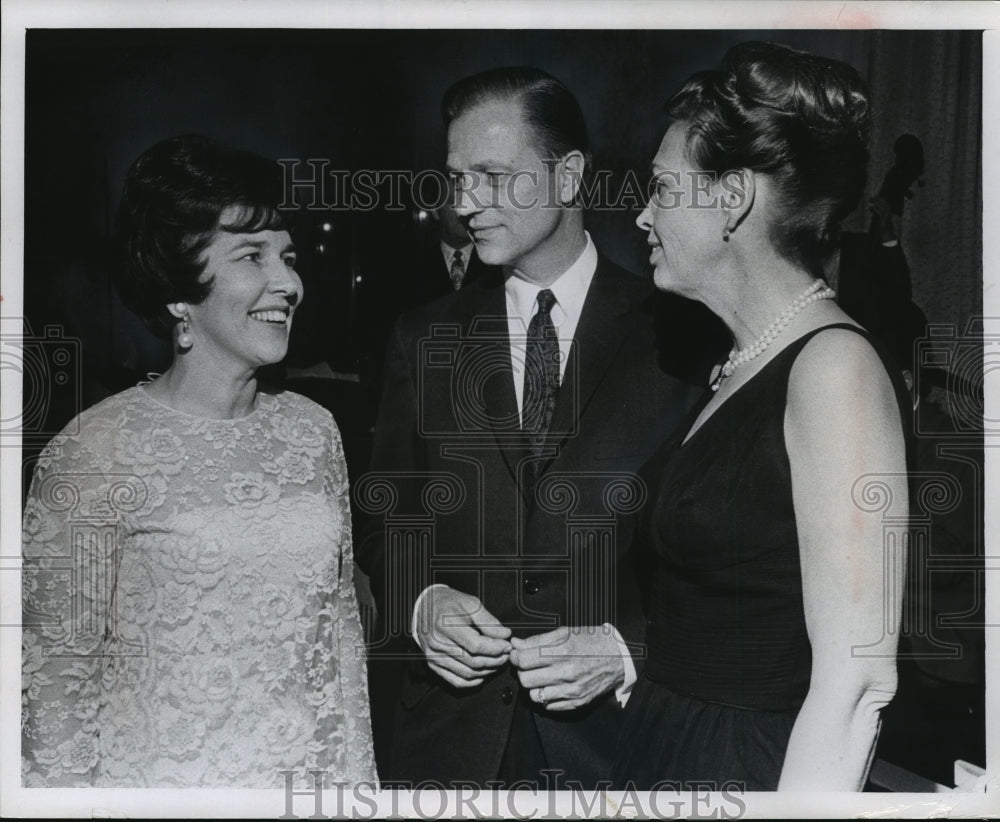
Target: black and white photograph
x,y
447,410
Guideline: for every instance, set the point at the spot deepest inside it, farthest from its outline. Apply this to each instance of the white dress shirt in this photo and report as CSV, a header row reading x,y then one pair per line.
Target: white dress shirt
x,y
570,291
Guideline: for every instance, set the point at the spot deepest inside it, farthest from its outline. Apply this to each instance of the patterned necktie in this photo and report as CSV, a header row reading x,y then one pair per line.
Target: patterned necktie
x,y
457,272
541,383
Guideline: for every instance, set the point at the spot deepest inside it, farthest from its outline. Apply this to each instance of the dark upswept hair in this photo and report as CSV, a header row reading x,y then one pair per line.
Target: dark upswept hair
x,y
548,107
174,197
799,118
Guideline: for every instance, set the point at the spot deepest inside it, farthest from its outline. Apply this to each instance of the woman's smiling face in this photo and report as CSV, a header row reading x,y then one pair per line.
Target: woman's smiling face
x,y
247,316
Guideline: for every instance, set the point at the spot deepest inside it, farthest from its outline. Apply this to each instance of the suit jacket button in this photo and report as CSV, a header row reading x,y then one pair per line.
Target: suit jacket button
x,y
507,695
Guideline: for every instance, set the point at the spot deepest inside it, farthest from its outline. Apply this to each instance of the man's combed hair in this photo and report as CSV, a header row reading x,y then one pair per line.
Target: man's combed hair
x,y
171,206
799,118
548,107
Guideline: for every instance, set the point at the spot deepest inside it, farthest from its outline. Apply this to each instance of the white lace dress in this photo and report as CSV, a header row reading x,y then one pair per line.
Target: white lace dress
x,y
190,615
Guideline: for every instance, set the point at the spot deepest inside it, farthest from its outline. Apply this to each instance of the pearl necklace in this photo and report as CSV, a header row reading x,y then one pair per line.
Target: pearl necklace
x,y
819,290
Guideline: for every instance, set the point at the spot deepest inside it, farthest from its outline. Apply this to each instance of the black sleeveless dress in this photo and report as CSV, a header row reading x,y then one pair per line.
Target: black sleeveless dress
x,y
728,655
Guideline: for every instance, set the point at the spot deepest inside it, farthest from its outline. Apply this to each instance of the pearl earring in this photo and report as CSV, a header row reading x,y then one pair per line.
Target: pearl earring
x,y
184,339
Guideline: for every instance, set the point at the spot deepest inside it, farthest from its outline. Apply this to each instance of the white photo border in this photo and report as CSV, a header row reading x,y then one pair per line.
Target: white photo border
x,y
20,15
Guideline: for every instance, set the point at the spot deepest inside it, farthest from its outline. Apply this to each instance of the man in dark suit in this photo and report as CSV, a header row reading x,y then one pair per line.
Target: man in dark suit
x,y
516,414
461,263
445,259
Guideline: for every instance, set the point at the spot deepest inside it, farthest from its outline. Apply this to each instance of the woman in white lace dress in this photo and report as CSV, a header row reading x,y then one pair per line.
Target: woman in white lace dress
x,y
190,616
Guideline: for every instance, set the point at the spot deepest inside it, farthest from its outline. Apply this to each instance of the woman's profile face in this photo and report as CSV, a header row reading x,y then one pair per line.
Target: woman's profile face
x,y
683,219
246,318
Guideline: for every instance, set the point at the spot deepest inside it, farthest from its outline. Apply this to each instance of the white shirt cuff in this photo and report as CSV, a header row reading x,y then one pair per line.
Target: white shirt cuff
x,y
890,243
623,691
416,611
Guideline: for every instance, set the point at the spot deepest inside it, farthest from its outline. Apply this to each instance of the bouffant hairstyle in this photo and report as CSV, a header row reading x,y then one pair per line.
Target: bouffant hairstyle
x,y
548,107
171,208
798,118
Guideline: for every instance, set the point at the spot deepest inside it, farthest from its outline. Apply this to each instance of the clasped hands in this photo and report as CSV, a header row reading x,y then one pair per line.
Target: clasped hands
x,y
562,669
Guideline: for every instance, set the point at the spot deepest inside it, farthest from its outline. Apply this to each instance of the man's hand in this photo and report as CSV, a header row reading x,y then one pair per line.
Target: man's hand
x,y
462,641
568,667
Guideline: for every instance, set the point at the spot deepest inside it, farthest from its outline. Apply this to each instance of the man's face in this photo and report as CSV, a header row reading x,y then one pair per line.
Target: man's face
x,y
505,192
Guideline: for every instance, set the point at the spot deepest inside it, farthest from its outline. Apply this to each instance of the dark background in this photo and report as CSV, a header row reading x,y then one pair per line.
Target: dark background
x,y
370,100
94,100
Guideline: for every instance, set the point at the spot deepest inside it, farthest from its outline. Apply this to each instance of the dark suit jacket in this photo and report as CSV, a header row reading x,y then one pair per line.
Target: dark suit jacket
x,y
446,494
432,278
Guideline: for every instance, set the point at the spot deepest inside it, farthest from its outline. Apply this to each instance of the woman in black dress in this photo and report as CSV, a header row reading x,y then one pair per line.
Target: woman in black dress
x,y
772,636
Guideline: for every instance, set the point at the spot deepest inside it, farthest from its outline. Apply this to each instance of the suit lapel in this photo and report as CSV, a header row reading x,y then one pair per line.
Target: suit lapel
x,y
492,381
604,324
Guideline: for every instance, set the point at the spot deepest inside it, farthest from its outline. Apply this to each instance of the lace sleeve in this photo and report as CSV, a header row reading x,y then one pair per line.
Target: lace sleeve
x,y
69,545
348,640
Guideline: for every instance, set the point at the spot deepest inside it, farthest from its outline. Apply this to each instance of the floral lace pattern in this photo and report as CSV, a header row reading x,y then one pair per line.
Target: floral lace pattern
x,y
190,614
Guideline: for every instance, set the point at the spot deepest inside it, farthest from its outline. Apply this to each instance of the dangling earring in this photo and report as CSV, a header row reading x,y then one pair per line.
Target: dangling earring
x,y
184,339
725,233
